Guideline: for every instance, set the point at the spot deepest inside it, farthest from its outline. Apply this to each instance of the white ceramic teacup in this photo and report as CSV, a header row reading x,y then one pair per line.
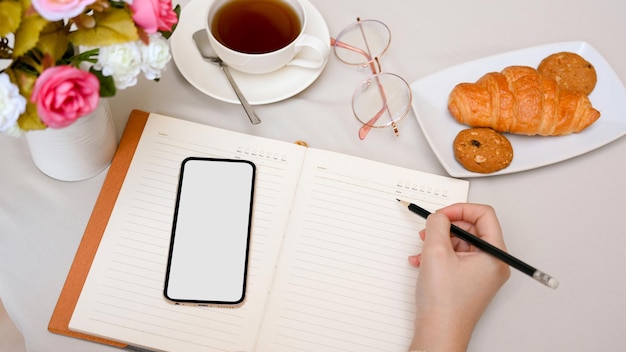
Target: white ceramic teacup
x,y
243,46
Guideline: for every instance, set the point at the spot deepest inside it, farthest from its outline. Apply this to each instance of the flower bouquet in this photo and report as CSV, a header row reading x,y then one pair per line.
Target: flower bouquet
x,y
66,54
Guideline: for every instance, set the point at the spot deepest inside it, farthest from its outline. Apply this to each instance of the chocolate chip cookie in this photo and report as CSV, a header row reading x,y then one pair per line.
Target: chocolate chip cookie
x,y
482,150
570,71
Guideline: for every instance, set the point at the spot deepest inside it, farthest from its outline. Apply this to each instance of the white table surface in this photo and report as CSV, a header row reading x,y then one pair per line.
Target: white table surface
x,y
566,219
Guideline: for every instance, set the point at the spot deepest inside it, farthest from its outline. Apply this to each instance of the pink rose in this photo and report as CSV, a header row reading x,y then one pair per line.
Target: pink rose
x,y
154,15
55,10
64,94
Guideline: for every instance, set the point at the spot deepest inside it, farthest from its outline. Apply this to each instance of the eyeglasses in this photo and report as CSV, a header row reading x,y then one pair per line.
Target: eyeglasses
x,y
382,99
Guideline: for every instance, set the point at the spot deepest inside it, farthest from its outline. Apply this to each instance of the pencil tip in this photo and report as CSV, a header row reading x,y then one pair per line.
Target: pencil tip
x,y
403,202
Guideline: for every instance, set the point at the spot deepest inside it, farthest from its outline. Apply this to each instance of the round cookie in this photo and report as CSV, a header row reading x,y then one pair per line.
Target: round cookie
x,y
482,150
570,71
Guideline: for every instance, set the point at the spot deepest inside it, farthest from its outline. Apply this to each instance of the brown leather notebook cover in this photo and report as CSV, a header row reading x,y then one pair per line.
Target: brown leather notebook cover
x,y
95,228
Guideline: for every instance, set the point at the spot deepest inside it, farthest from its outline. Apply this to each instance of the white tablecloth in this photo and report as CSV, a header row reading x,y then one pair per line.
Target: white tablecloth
x,y
566,219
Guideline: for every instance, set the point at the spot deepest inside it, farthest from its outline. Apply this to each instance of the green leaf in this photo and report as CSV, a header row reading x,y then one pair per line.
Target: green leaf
x,y
112,27
107,85
10,17
53,40
29,120
27,35
24,80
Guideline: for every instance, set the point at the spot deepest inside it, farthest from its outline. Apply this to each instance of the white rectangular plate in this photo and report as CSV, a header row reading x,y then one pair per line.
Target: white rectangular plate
x,y
430,103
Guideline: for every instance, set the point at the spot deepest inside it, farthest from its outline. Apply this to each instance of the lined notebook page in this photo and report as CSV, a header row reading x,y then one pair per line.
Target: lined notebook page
x,y
344,282
123,295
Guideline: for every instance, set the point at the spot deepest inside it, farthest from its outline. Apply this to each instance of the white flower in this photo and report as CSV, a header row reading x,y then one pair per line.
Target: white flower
x,y
122,61
12,105
14,131
155,56
55,10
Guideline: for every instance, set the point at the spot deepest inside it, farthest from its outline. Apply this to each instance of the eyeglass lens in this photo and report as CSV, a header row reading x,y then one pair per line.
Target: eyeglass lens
x,y
381,100
362,42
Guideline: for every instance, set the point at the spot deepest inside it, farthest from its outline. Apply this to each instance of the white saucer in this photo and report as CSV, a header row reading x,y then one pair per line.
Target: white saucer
x,y
258,89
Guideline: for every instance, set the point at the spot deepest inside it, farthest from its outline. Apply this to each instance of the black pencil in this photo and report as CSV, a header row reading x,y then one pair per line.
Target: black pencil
x,y
490,249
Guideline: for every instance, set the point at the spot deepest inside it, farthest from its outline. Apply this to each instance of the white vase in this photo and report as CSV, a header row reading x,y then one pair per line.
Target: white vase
x,y
78,151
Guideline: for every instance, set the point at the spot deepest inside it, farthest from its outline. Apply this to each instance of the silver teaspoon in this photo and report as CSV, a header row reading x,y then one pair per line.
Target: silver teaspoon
x,y
201,39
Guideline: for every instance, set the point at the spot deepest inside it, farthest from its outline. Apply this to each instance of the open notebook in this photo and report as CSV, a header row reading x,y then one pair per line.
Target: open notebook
x,y
328,267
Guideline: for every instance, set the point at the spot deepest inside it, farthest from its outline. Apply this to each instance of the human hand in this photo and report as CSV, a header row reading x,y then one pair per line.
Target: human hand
x,y
456,281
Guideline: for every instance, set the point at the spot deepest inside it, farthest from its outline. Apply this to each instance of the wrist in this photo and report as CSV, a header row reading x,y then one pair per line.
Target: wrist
x,y
441,332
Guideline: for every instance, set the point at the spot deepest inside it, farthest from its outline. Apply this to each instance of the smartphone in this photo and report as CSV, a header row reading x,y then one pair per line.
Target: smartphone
x,y
208,254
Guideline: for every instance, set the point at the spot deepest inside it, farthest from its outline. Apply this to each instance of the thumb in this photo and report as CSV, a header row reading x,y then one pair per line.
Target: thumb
x,y
437,233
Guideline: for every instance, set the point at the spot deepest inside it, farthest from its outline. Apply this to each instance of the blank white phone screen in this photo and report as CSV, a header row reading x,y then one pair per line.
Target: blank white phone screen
x,y
211,231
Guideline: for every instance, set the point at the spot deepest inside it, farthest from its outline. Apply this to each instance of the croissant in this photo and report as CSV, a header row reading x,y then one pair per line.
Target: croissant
x,y
520,100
